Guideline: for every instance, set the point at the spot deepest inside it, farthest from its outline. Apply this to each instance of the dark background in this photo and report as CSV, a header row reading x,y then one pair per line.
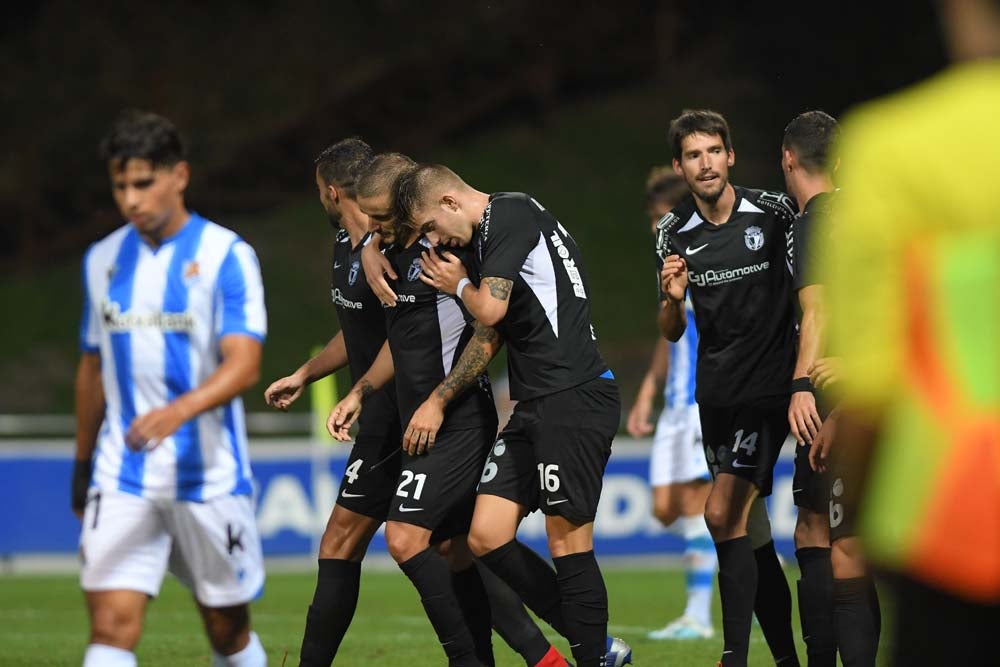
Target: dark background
x,y
568,101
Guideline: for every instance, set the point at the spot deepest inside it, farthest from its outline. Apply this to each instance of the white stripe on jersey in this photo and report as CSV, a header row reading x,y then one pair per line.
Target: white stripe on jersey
x,y
451,322
156,318
540,276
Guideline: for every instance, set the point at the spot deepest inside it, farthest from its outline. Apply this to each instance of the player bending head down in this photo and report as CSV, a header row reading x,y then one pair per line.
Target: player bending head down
x,y
377,194
337,168
436,202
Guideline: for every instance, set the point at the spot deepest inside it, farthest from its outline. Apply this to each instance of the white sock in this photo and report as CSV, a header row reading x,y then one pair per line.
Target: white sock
x,y
700,563
102,655
252,655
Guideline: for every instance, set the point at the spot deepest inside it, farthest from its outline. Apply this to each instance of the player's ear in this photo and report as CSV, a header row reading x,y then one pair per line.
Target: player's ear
x,y
181,173
677,167
334,194
450,203
732,157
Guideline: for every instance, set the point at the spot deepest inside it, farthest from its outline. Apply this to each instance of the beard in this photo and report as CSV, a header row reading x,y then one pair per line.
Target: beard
x,y
711,196
334,217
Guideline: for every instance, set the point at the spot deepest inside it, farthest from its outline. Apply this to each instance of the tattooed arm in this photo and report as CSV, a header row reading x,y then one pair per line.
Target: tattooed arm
x,y
488,304
347,411
423,427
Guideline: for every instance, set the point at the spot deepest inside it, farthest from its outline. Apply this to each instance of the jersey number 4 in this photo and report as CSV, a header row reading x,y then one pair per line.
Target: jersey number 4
x,y
352,471
748,444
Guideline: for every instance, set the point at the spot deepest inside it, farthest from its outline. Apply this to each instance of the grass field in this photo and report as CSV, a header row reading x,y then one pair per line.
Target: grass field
x,y
42,622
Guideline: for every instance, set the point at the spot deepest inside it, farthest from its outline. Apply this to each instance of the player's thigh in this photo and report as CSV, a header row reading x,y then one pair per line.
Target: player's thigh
x,y
432,485
759,524
124,544
509,471
810,489
728,506
227,628
692,496
745,441
347,534
372,473
572,443
217,552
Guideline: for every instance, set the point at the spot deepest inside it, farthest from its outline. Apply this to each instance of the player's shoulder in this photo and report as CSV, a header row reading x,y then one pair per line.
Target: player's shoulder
x,y
505,208
775,202
677,218
110,244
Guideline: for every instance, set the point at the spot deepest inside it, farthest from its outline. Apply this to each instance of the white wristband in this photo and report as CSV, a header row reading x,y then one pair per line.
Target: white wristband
x,y
461,286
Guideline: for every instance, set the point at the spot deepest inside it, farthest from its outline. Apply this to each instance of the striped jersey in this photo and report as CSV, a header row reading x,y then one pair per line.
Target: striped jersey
x,y
156,317
678,392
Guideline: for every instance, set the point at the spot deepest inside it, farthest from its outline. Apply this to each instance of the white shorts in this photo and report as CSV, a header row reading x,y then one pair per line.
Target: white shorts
x,y
127,542
677,455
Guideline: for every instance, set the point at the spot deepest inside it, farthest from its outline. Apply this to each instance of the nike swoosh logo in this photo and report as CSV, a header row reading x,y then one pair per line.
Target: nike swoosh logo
x,y
548,501
337,265
743,465
345,494
410,509
695,251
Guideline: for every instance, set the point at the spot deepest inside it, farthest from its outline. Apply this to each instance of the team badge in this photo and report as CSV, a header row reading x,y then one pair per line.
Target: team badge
x,y
754,237
352,274
414,271
190,271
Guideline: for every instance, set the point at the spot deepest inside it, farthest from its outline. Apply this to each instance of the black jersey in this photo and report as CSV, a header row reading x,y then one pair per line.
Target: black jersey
x,y
428,330
805,249
550,339
363,323
740,281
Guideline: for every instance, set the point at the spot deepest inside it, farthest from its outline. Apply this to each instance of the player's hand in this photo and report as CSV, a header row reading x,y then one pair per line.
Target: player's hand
x,y
423,428
149,430
376,268
282,393
80,485
444,272
803,417
825,371
821,444
638,424
343,416
674,277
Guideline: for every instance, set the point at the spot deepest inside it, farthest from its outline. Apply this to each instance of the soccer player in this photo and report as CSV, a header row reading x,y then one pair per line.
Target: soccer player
x,y
553,452
910,267
730,245
805,151
677,469
510,620
172,331
427,333
369,481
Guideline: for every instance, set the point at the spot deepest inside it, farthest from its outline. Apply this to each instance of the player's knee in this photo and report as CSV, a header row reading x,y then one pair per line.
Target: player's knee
x,y
228,628
115,626
403,544
847,559
812,529
722,522
665,512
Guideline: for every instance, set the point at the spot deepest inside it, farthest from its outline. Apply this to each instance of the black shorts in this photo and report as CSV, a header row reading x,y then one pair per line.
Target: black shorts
x,y
810,489
553,451
437,490
371,475
842,524
745,440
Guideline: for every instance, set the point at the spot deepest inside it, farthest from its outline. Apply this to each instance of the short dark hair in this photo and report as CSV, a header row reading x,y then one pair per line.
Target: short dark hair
x,y
341,164
142,135
703,121
663,185
413,186
810,136
382,173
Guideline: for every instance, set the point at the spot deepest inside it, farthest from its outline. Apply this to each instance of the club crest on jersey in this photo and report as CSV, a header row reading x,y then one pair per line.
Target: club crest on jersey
x,y
754,237
352,273
414,271
190,271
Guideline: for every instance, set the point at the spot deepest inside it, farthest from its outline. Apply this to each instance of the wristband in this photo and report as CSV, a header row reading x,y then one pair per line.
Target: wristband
x,y
82,469
461,286
802,384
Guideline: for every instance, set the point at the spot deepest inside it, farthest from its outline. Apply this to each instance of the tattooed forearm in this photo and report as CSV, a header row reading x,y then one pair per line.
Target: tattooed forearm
x,y
473,362
499,287
365,388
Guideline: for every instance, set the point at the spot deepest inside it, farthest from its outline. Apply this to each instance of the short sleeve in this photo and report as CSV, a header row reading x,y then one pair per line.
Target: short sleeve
x,y
803,248
90,321
241,293
509,238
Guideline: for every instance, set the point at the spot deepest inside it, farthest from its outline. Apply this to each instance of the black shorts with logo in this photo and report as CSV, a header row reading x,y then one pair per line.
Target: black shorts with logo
x,y
372,472
842,523
437,490
745,440
810,489
553,451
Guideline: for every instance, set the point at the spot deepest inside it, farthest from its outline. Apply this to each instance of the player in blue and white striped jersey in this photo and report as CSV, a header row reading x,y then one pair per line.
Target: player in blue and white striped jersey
x,y
172,331
678,472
